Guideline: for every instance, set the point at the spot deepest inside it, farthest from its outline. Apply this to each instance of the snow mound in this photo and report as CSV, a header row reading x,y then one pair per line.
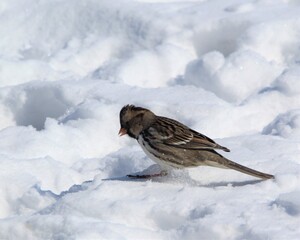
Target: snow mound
x,y
264,39
285,125
288,82
233,79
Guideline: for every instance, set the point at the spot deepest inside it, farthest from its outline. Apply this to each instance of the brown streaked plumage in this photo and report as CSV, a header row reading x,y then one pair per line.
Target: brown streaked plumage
x,y
172,144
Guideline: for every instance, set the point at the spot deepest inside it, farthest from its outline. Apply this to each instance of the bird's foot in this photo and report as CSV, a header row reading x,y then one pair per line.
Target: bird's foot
x,y
161,174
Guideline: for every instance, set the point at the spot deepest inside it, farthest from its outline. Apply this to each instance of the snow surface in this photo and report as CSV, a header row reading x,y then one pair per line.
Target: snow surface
x,y
229,69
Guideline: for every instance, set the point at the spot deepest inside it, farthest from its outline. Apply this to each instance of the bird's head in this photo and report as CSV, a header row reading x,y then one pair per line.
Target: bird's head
x,y
134,120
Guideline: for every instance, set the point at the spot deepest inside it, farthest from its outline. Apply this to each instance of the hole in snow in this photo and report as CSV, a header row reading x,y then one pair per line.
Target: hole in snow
x,y
35,104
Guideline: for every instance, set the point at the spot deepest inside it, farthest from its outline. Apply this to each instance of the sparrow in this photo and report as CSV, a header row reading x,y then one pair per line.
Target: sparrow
x,y
172,144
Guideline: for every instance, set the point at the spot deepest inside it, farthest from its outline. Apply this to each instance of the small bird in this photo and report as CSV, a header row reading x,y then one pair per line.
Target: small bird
x,y
172,144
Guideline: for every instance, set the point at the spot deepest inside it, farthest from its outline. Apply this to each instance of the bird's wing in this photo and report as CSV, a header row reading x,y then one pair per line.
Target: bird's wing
x,y
175,134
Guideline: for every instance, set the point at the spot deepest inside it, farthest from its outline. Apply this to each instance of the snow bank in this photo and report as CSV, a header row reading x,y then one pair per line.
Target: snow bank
x,y
228,69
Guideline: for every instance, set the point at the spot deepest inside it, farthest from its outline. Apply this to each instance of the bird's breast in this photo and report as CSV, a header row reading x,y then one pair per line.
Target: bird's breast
x,y
158,156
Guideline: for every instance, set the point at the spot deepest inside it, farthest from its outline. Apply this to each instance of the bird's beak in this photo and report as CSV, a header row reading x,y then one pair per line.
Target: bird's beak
x,y
122,132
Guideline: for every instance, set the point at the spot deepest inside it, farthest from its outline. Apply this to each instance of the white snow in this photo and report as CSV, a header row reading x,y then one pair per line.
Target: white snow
x,y
228,69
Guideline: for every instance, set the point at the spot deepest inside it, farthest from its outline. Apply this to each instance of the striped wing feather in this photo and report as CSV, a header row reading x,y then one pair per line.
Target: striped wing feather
x,y
175,134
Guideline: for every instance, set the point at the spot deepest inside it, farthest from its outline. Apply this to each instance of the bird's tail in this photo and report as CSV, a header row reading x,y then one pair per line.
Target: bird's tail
x,y
249,171
226,163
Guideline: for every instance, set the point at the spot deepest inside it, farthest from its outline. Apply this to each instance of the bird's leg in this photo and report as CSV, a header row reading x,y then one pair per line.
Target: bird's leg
x,y
161,174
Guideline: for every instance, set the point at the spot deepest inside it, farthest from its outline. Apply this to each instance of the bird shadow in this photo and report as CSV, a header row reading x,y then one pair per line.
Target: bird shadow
x,y
129,179
192,182
178,176
232,183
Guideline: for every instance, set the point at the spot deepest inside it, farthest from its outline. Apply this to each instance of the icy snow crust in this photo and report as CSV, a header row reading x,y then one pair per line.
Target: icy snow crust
x,y
229,69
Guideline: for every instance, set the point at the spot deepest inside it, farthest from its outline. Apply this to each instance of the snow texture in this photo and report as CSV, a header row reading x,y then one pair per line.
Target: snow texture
x,y
228,69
